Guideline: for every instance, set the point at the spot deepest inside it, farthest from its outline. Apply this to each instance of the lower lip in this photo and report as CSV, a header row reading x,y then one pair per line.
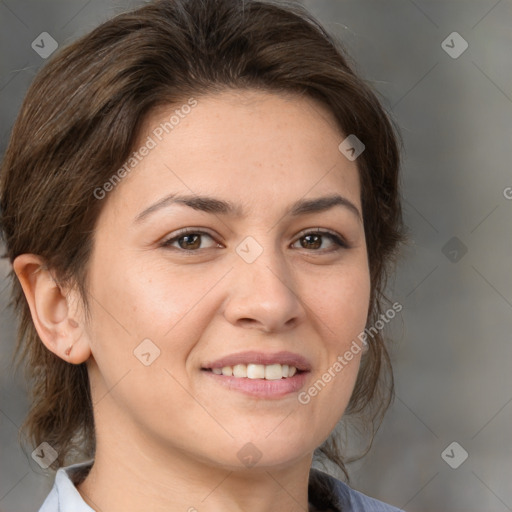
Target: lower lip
x,y
262,388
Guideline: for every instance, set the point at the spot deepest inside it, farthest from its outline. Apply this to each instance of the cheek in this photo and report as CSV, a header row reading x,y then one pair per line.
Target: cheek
x,y
137,299
341,312
135,302
139,315
341,304
169,303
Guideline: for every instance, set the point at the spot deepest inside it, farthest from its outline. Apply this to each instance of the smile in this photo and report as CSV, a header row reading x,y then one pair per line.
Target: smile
x,y
257,371
261,375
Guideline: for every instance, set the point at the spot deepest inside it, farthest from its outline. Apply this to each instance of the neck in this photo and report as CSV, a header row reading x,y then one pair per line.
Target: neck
x,y
132,474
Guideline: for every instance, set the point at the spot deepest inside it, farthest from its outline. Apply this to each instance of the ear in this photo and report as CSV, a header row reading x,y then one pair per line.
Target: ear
x,y
49,306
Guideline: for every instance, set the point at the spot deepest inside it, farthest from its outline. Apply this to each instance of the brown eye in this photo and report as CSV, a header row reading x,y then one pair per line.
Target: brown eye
x,y
188,240
313,240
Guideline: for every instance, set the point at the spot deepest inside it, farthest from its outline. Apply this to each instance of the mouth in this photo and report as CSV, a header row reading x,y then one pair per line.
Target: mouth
x,y
260,375
257,371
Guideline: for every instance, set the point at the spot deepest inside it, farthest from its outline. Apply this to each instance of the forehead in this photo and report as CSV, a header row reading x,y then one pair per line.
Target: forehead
x,y
254,148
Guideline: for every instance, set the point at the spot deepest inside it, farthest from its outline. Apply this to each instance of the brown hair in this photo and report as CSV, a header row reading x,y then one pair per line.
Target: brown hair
x,y
80,120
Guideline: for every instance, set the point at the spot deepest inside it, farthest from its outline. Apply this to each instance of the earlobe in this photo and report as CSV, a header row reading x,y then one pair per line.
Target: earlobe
x,y
49,307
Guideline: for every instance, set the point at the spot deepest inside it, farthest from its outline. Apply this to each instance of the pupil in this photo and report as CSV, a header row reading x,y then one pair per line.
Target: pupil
x,y
189,245
316,245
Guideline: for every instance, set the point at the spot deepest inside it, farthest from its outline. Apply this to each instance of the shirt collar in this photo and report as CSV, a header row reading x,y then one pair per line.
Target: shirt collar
x,y
64,496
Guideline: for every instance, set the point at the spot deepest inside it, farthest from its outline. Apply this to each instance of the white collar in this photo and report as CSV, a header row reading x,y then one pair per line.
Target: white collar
x,y
64,496
333,495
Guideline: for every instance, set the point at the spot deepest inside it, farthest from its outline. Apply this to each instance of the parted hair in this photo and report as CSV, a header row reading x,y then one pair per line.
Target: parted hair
x,y
80,120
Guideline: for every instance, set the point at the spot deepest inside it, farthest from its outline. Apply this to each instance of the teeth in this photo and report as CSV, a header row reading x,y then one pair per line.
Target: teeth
x,y
273,372
240,370
257,371
227,371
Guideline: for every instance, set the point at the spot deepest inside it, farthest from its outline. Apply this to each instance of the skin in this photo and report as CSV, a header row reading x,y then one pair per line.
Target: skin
x,y
167,434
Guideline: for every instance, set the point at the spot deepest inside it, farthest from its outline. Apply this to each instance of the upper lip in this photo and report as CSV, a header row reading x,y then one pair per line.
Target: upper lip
x,y
255,357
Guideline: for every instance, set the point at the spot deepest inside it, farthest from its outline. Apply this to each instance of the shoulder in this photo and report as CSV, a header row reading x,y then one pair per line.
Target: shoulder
x,y
328,493
64,496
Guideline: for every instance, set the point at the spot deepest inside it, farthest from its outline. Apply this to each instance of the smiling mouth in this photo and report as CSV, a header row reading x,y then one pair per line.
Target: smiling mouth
x,y
257,371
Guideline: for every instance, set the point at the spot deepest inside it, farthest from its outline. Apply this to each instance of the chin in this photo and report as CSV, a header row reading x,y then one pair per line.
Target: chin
x,y
274,452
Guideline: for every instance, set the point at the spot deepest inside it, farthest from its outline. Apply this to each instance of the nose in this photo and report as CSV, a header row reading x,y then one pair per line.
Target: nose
x,y
263,294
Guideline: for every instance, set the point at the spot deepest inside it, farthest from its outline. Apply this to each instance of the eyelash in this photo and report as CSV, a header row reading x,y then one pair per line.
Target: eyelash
x,y
339,241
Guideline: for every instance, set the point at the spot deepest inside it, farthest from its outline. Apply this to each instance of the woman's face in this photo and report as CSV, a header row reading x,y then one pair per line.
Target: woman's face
x,y
250,286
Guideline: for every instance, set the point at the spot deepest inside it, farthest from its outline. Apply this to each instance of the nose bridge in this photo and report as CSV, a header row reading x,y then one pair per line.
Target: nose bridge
x,y
262,289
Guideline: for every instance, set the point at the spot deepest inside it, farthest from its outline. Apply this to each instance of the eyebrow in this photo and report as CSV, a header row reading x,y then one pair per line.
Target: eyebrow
x,y
219,206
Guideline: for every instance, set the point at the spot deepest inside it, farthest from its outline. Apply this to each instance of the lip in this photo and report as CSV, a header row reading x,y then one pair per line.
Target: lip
x,y
255,357
261,388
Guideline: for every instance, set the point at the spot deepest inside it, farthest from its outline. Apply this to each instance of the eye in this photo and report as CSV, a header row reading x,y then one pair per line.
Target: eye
x,y
188,239
314,240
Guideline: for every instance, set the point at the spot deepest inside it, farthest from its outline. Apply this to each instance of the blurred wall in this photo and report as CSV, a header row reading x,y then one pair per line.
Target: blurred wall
x,y
444,72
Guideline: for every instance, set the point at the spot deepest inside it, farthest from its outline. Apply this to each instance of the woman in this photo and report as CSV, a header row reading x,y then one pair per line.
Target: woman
x,y
200,202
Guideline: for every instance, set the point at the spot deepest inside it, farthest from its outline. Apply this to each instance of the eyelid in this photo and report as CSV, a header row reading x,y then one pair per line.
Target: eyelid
x,y
336,237
190,230
338,240
186,231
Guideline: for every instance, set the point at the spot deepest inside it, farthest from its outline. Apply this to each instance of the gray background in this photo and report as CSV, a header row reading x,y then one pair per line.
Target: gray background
x,y
452,349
